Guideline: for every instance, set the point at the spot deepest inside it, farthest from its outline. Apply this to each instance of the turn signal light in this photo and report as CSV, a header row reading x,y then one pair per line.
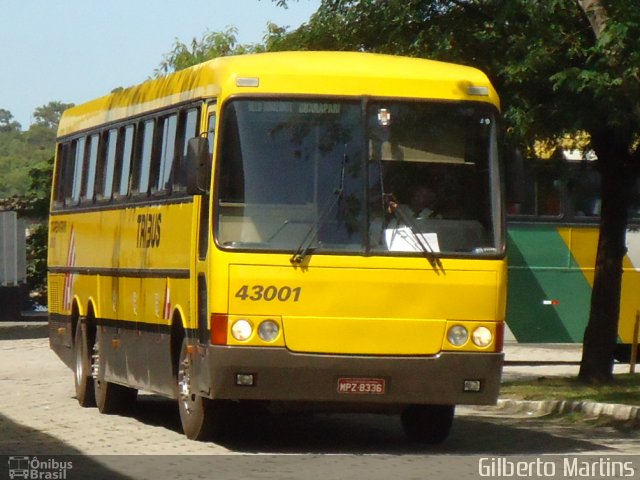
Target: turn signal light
x,y
219,323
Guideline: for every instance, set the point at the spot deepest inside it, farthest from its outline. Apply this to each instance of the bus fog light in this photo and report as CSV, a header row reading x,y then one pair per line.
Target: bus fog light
x,y
245,379
472,385
268,331
241,330
457,335
482,337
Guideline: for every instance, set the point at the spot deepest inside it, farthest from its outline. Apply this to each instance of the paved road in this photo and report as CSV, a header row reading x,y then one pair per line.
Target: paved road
x,y
40,416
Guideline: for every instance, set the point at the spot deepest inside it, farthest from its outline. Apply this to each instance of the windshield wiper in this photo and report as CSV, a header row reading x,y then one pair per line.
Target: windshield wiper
x,y
423,243
305,246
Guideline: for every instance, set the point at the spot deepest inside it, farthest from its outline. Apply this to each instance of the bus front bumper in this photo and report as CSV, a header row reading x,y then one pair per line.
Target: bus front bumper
x,y
276,374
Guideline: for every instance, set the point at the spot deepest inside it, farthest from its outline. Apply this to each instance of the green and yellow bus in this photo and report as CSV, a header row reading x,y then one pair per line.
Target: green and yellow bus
x,y
553,226
237,233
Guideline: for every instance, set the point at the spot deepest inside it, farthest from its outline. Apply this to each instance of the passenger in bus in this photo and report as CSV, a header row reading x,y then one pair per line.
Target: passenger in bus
x,y
420,204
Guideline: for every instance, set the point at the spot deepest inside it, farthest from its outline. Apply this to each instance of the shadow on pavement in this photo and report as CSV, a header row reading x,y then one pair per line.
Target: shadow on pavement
x,y
25,450
376,434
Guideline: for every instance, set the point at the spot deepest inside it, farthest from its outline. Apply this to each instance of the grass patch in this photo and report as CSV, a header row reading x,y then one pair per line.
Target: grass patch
x,y
625,389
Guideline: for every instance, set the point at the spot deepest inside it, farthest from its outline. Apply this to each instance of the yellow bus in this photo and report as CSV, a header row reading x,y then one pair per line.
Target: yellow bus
x,y
246,232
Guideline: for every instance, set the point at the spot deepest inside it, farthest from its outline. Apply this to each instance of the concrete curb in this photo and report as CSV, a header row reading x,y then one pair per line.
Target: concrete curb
x,y
616,411
23,330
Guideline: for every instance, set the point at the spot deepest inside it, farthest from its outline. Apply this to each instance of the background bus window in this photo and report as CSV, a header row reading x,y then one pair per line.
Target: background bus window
x,y
541,191
634,209
584,189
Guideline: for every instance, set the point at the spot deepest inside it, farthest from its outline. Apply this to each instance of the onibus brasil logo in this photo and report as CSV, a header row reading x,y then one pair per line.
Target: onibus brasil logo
x,y
36,469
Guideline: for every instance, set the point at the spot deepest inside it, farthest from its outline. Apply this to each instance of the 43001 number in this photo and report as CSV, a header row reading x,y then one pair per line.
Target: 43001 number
x,y
269,293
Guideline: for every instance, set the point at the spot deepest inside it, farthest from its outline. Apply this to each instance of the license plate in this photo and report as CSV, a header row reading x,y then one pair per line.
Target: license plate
x,y
362,386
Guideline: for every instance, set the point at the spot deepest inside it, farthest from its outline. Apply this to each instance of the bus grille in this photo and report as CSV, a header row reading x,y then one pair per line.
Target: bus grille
x,y
55,289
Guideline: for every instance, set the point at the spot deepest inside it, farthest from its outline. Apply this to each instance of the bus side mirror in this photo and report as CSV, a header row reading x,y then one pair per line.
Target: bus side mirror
x,y
198,166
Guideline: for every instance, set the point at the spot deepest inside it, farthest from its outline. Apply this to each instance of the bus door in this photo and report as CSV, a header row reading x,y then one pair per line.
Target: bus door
x,y
204,233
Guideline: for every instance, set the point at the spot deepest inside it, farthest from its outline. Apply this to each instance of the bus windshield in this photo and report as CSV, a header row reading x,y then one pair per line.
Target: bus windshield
x,y
384,177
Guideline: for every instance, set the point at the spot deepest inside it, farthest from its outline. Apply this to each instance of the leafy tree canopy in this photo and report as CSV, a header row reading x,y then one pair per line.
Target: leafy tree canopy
x,y
49,115
210,45
218,44
561,67
7,124
553,75
22,151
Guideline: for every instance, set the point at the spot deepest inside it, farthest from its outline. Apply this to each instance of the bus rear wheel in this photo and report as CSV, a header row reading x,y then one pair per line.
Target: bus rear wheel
x,y
201,417
428,424
110,397
82,373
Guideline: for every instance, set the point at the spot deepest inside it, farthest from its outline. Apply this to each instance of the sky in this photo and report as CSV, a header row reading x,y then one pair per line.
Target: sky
x,y
75,50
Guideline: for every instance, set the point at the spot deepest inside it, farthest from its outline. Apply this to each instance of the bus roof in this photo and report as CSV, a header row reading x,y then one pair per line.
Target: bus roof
x,y
294,73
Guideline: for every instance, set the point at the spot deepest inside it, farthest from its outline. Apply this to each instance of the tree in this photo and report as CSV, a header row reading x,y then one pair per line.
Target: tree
x,y
615,140
561,66
210,45
26,168
41,178
49,115
6,122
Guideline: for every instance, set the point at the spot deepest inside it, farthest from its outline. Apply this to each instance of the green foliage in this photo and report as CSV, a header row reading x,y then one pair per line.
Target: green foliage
x,y
6,122
22,151
209,46
49,115
624,390
26,169
553,76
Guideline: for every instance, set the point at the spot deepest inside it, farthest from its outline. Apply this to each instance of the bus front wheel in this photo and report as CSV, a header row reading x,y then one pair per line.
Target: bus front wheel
x,y
201,417
427,423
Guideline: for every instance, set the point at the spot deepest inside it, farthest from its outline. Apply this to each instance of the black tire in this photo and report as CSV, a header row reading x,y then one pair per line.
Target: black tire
x,y
428,424
110,397
622,353
201,418
82,372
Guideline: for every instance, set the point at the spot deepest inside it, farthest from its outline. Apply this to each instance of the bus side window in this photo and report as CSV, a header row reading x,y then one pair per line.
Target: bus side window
x,y
107,165
142,158
124,155
78,167
211,132
100,166
62,165
167,140
187,128
89,173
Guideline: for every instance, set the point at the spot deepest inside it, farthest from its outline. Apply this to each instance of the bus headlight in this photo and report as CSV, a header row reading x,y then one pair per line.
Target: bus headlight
x,y
482,337
241,330
457,335
268,331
